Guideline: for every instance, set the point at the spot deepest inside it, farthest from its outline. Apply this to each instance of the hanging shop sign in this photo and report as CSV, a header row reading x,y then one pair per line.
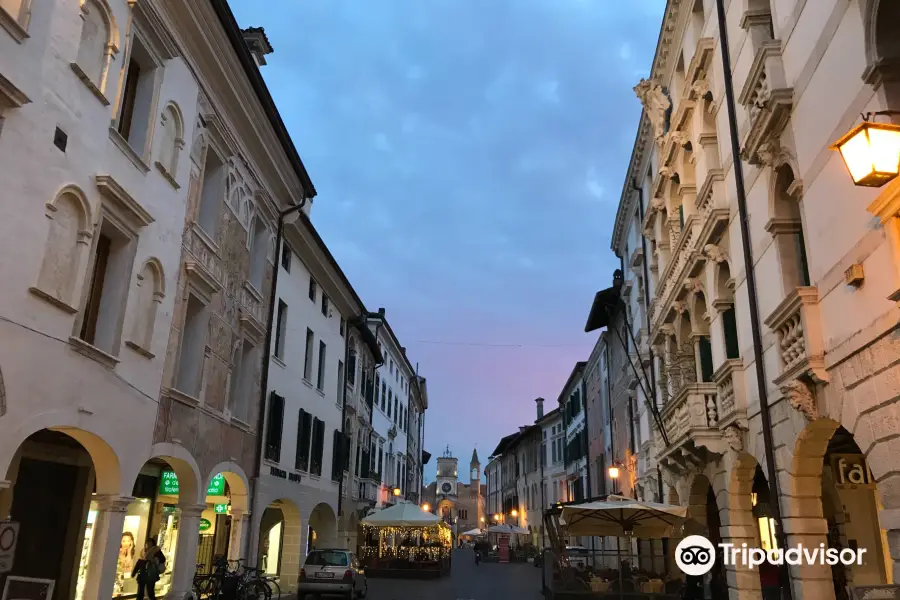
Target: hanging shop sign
x,y
850,471
282,474
205,524
168,484
221,509
9,535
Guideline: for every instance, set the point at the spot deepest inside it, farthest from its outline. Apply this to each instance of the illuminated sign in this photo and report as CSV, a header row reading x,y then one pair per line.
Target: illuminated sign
x,y
168,484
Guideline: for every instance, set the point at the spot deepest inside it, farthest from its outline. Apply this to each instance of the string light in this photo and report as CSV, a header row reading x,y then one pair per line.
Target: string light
x,y
435,539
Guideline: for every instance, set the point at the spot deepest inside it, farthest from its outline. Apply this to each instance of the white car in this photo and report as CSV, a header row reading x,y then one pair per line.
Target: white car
x,y
578,556
332,572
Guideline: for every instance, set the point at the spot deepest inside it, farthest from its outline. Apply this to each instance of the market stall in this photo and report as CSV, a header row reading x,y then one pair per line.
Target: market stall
x,y
405,541
504,535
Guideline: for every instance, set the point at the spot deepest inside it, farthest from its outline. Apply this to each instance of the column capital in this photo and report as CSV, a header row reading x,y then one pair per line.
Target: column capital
x,y
112,502
192,510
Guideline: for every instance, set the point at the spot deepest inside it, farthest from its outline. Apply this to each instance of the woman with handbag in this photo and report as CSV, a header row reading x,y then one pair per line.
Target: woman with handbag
x,y
148,569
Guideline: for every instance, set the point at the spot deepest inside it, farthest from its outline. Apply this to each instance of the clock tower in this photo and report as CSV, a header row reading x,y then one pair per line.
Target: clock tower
x,y
446,488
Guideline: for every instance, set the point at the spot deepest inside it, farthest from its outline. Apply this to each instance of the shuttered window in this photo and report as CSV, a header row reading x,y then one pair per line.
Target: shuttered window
x,y
318,443
304,435
274,427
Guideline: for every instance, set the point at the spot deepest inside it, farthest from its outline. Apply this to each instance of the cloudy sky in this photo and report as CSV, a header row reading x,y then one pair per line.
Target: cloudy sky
x,y
468,156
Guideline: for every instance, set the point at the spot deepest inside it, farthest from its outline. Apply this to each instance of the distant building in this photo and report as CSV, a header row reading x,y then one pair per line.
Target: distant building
x,y
462,505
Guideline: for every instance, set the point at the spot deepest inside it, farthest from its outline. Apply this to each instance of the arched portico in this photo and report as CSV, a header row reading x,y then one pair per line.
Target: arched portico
x,y
322,527
279,547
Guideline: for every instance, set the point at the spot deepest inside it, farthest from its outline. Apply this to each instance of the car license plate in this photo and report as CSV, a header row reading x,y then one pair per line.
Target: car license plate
x,y
324,575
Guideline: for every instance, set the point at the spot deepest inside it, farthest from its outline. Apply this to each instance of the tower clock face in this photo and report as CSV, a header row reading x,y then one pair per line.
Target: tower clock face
x,y
446,487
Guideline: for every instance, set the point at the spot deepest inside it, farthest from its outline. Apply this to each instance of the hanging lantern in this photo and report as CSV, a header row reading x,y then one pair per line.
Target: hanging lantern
x,y
871,152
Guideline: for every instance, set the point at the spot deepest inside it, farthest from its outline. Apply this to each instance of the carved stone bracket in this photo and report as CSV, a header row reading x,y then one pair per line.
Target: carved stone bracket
x,y
801,398
715,253
734,437
656,104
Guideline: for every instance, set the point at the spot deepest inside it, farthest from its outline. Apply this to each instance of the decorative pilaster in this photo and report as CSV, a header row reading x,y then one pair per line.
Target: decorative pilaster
x,y
239,525
106,541
186,552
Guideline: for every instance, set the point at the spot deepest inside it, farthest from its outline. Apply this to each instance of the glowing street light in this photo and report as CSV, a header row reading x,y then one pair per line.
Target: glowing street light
x,y
871,151
426,507
496,517
514,513
613,472
396,491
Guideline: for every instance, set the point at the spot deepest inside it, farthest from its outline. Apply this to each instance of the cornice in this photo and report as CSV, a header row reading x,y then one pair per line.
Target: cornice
x,y
667,37
636,167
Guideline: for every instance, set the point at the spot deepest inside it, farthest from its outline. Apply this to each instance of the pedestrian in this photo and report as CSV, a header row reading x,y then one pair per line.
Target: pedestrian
x,y
148,569
477,557
770,580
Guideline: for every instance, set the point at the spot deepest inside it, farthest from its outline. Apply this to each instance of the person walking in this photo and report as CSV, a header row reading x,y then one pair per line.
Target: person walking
x,y
477,556
148,569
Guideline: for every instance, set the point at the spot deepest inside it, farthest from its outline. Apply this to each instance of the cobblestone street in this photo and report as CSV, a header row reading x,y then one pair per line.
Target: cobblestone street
x,y
488,581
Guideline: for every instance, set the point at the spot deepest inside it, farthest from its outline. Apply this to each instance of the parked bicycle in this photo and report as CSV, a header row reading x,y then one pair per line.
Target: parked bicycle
x,y
233,580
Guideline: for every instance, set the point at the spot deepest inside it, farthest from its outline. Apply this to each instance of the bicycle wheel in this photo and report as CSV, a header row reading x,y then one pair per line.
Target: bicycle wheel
x,y
255,589
274,588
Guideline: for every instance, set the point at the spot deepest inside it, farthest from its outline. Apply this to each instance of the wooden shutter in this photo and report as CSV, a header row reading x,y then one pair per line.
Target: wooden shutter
x,y
303,439
318,443
336,459
274,427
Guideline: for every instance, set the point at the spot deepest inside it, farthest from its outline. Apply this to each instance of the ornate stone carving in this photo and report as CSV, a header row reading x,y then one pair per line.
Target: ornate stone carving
x,y
657,203
734,438
701,87
666,171
680,137
714,253
768,153
679,306
801,398
656,103
693,284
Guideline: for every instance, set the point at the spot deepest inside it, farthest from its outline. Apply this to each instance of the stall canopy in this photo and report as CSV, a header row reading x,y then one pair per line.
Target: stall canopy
x,y
618,516
473,532
508,529
402,515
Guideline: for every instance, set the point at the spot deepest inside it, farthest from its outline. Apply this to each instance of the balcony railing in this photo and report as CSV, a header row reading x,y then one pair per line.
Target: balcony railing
x,y
731,399
801,348
690,419
768,100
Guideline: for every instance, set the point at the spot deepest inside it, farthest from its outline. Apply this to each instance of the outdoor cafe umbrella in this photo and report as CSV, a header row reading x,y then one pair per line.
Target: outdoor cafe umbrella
x,y
473,532
618,516
508,529
405,514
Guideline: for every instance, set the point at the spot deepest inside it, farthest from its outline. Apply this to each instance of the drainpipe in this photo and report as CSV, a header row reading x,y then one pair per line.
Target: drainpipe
x,y
768,441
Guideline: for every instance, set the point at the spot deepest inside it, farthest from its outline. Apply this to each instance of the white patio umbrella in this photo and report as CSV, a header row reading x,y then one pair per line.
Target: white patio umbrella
x,y
402,515
620,517
473,532
508,529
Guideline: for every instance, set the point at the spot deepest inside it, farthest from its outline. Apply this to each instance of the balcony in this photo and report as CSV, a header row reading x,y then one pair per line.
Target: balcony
x,y
768,100
711,208
690,419
731,397
797,323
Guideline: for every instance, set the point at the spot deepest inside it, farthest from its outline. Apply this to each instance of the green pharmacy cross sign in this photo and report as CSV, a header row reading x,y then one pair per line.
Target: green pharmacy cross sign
x,y
168,484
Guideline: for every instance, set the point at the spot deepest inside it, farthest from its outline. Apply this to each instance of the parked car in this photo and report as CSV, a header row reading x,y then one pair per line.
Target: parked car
x,y
329,572
578,556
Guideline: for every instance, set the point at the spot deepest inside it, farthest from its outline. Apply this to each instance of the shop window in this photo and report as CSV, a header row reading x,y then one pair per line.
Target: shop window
x,y
320,375
259,242
212,192
729,327
318,446
706,360
308,357
274,427
138,97
304,435
110,272
193,347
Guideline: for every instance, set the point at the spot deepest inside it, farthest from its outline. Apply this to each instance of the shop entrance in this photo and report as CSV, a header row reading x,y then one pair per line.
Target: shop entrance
x,y
53,477
279,543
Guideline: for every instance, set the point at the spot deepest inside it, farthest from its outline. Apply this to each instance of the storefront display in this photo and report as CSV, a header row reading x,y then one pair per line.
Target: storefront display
x,y
167,539
85,552
272,549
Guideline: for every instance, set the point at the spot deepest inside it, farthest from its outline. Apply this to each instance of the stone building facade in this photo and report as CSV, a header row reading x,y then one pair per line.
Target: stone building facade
x,y
824,256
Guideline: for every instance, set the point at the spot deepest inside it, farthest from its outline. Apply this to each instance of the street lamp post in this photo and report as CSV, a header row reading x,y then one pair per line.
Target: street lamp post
x,y
614,475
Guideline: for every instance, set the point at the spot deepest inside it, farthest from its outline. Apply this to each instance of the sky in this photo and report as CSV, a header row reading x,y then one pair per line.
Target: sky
x,y
469,156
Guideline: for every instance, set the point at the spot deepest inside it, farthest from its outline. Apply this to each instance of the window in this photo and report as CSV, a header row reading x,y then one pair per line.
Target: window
x,y
94,47
280,329
390,402
729,325
212,192
383,395
171,141
320,376
274,427
706,360
786,227
242,378
342,326
67,245
304,435
377,387
308,358
341,382
337,455
193,347
351,368
259,244
396,409
286,256
380,459
149,294
138,97
324,305
110,273
312,289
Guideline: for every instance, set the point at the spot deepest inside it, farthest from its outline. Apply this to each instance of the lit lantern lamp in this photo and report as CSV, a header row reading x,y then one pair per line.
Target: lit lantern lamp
x,y
396,491
614,472
871,152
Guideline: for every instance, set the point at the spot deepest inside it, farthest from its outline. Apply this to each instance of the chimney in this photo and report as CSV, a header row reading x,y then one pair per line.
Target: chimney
x,y
381,311
257,43
540,408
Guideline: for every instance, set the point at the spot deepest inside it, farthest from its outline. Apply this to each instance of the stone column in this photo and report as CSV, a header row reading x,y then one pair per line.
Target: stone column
x,y
889,518
239,526
810,582
185,560
106,539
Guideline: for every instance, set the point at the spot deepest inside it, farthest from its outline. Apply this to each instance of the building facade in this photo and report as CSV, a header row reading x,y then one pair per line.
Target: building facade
x,y
165,167
762,424
572,407
461,505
